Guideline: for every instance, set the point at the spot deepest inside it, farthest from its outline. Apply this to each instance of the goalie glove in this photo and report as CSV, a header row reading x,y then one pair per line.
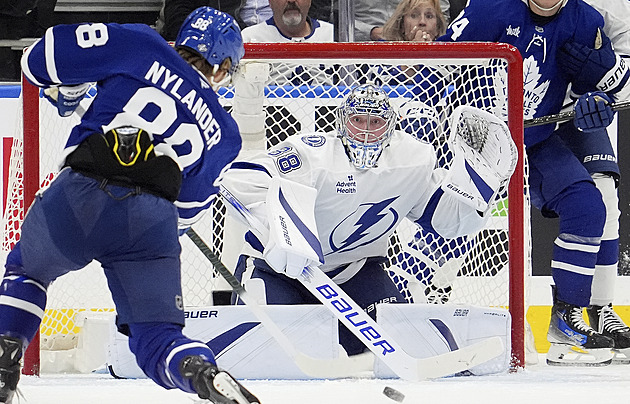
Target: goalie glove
x,y
597,67
484,157
66,98
593,112
293,243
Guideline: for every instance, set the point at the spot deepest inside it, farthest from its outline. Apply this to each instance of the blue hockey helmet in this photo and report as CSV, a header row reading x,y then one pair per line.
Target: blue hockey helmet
x,y
214,35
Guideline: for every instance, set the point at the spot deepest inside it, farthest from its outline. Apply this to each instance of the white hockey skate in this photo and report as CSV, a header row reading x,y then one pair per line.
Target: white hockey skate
x,y
573,342
606,321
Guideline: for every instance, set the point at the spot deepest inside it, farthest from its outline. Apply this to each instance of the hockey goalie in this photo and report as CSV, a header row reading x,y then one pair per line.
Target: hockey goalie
x,y
333,200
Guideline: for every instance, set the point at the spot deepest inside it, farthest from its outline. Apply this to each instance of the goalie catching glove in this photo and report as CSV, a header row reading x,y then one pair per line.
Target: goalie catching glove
x,y
293,242
66,98
484,157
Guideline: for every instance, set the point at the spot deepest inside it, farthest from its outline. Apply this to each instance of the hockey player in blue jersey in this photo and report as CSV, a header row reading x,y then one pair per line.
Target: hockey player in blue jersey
x,y
552,36
154,141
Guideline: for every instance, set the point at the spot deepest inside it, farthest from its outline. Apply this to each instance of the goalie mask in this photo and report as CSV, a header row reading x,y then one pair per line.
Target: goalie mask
x,y
214,35
365,122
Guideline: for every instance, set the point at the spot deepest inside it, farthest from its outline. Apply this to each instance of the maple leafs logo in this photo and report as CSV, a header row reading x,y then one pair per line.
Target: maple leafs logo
x,y
533,92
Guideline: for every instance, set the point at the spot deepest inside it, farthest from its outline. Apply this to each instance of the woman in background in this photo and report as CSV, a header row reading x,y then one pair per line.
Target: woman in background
x,y
415,20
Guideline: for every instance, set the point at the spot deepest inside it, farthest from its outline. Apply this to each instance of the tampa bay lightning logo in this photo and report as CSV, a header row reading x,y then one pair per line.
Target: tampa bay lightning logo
x,y
367,223
314,140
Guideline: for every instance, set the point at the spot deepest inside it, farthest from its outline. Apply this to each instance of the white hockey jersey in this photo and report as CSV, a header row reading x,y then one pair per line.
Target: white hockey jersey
x,y
267,31
321,31
356,211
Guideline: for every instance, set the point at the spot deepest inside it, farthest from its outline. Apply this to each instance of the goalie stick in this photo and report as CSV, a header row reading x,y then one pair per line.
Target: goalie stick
x,y
372,335
567,116
314,367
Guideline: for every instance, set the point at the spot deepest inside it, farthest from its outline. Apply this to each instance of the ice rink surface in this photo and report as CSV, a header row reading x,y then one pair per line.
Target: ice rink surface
x,y
538,384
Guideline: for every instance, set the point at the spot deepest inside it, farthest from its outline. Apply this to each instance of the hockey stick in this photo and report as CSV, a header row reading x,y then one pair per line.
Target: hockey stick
x,y
367,330
314,367
567,116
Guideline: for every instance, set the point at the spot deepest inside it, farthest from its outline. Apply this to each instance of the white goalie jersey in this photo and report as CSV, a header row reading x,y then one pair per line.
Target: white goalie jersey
x,y
356,210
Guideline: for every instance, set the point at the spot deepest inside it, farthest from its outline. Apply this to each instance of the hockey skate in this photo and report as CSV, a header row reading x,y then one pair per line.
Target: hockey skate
x,y
213,384
573,342
606,321
10,355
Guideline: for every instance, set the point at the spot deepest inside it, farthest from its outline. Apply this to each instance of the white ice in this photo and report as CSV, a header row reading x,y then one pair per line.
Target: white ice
x,y
539,384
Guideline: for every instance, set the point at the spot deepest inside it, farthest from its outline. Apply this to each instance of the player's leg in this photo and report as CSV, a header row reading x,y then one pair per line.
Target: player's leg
x,y
601,313
561,187
596,153
50,246
143,272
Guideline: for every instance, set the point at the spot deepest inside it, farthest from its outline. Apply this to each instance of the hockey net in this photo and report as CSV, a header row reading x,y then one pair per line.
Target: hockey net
x,y
308,81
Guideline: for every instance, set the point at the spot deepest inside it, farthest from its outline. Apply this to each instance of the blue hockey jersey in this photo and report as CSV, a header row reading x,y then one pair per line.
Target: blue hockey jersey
x,y
142,81
511,21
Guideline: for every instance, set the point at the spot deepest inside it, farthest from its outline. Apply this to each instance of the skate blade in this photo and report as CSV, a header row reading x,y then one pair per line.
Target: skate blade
x,y
568,355
621,357
227,386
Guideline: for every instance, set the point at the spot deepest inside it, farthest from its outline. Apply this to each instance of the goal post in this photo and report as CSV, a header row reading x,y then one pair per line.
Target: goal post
x,y
307,82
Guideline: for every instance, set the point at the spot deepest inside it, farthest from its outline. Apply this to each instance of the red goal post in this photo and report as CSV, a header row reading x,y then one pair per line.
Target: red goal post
x,y
490,76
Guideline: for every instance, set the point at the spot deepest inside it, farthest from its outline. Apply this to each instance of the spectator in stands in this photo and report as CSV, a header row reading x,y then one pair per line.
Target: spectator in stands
x,y
371,16
290,22
246,12
415,20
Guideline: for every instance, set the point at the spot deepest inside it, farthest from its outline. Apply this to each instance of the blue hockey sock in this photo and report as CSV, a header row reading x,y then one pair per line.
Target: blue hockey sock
x,y
22,304
160,348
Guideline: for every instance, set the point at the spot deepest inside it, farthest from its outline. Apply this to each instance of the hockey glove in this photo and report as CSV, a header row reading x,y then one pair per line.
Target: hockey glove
x,y
285,261
588,68
484,157
66,98
214,384
293,242
593,112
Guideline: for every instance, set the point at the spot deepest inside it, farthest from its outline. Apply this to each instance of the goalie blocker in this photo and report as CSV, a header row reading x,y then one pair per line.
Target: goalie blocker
x,y
242,344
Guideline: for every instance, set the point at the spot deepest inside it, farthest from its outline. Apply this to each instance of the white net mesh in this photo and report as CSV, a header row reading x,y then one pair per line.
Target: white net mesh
x,y
302,97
